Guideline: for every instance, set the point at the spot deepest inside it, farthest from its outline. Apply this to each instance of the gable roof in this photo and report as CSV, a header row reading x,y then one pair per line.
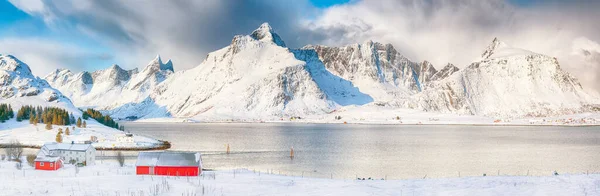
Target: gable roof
x,y
66,146
47,159
169,158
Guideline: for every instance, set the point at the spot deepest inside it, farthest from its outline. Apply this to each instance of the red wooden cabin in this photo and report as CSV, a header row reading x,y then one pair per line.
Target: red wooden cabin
x,y
169,163
48,163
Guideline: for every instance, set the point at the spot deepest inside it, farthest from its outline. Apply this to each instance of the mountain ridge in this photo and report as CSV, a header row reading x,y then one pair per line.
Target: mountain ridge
x,y
257,77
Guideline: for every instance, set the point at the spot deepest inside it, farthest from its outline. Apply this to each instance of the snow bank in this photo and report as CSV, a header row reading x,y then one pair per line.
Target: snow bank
x,y
30,135
110,179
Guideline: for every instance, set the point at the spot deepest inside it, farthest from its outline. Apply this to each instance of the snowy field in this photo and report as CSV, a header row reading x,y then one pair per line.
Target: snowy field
x,y
28,134
110,179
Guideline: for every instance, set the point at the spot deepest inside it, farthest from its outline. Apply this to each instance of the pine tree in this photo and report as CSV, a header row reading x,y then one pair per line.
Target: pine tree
x,y
48,126
67,132
54,119
59,138
35,121
79,122
11,113
84,124
60,130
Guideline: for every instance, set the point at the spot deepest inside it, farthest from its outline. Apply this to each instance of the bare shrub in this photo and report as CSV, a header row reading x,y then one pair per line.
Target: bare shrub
x,y
14,150
120,158
31,159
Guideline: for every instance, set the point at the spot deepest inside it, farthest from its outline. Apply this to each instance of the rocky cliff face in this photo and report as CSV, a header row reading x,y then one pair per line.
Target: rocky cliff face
x,y
508,82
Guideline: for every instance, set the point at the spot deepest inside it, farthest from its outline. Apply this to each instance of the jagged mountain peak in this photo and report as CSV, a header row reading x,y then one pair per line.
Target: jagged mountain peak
x,y
157,64
11,63
499,49
168,65
446,71
266,33
115,67
492,47
17,81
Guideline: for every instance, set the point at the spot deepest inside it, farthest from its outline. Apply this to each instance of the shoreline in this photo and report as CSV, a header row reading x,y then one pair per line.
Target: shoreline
x,y
367,123
163,146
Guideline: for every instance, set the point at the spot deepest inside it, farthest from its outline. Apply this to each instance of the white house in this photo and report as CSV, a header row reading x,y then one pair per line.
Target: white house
x,y
71,153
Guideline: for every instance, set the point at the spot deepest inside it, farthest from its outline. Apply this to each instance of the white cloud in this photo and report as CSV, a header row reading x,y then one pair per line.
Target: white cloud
x,y
44,56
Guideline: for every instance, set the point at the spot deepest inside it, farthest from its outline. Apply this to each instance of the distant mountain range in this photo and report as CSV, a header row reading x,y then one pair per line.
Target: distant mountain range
x,y
258,77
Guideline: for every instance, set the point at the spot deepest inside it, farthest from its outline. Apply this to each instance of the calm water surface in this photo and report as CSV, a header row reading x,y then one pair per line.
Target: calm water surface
x,y
379,151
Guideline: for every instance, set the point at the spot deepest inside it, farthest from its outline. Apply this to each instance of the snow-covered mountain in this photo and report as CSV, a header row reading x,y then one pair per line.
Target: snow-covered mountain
x,y
110,88
258,77
20,87
507,82
254,77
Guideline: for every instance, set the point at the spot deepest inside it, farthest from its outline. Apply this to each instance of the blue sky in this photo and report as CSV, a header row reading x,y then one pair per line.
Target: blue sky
x,y
17,23
327,3
94,34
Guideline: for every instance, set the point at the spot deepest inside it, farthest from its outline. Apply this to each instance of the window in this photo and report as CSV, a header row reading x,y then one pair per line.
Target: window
x,y
41,163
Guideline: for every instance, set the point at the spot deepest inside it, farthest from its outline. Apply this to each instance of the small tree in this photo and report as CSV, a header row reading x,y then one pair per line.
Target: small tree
x,y
120,158
31,159
84,124
78,122
48,126
14,150
60,130
59,138
67,132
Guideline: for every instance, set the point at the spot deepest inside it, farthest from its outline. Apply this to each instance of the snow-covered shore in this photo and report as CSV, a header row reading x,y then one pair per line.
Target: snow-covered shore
x,y
109,179
375,115
108,138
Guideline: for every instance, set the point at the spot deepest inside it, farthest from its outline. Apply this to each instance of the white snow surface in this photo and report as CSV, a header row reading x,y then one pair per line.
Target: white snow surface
x,y
28,134
109,179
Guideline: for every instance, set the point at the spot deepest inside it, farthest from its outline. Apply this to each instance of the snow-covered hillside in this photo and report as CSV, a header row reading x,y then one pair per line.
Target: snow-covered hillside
x,y
19,87
110,88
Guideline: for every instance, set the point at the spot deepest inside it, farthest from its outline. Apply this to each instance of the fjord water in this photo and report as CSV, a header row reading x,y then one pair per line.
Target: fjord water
x,y
385,151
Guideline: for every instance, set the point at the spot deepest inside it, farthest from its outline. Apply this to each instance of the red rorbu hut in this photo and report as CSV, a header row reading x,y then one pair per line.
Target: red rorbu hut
x,y
48,163
169,163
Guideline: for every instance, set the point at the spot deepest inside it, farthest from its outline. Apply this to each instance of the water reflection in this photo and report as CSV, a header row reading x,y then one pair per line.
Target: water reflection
x,y
347,151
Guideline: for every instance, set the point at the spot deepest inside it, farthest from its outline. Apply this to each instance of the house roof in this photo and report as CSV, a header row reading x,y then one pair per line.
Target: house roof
x,y
47,158
169,158
67,146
